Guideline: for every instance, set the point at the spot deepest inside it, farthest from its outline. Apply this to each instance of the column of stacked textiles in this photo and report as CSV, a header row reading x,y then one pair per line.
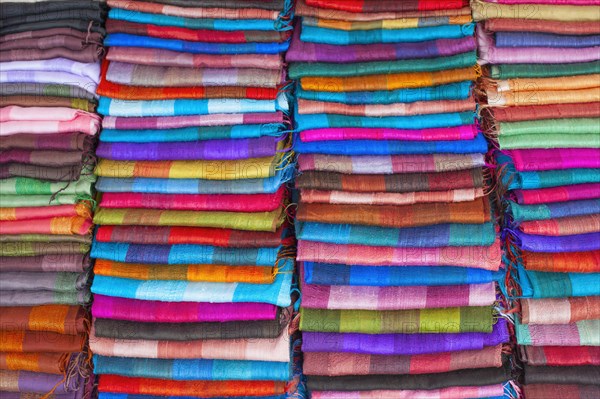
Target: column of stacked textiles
x,y
543,90
49,63
397,247
192,282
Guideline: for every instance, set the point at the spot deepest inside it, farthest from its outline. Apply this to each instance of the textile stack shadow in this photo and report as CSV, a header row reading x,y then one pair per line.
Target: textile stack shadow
x,y
49,70
542,85
193,272
397,246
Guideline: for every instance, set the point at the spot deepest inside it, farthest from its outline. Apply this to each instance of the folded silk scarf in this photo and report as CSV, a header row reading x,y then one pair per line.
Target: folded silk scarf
x,y
549,111
490,54
84,83
46,238
561,355
399,183
546,26
38,383
574,192
566,126
42,157
55,318
399,23
43,297
194,12
545,179
584,375
403,344
173,122
198,389
41,120
41,341
50,363
125,39
42,248
388,81
53,225
484,9
544,97
314,34
217,22
560,158
553,210
426,236
258,221
193,370
26,213
262,4
303,9
63,142
337,364
300,51
180,312
469,377
246,36
396,109
381,147
168,235
251,329
159,76
232,202
483,257
48,281
581,333
543,391
128,92
299,70
559,310
396,298
536,284
251,168
562,226
570,243
266,146
345,197
512,71
277,293
210,273
165,58
24,100
188,134
179,254
16,200
475,212
582,262
416,163
53,174
387,276
495,391
451,91
368,7
442,320
52,47
177,107
46,89
28,186
195,186
90,71
549,40
43,263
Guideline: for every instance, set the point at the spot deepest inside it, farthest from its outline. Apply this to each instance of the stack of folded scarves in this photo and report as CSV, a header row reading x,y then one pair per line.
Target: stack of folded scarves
x,y
543,93
50,67
192,282
397,247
